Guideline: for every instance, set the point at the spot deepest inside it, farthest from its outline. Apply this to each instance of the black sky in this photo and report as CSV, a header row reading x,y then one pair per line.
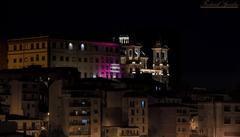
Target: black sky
x,y
204,42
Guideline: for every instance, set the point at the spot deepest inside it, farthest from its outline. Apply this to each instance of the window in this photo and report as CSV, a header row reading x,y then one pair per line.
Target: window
x,y
237,108
44,46
24,125
37,57
14,60
132,112
227,120
37,46
54,45
20,60
79,59
85,75
106,49
32,59
43,58
116,50
33,125
20,47
237,120
142,104
82,47
130,53
96,48
28,106
61,45
131,103
97,60
85,59
54,58
14,47
32,46
162,55
227,108
84,121
67,58
158,55
61,58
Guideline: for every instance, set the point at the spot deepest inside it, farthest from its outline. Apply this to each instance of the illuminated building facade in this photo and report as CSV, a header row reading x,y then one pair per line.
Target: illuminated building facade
x,y
134,60
219,119
93,59
135,111
73,112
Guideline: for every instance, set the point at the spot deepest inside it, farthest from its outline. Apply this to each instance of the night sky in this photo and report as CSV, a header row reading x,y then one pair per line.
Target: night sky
x,y
204,42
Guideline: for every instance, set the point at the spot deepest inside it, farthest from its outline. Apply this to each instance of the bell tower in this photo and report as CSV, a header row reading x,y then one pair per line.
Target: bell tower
x,y
160,62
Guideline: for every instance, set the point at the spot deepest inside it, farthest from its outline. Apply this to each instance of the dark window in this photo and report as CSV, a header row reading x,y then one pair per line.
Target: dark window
x,y
32,59
20,60
227,108
85,75
85,59
37,46
28,106
61,58
61,45
117,61
227,120
14,60
14,47
79,59
20,47
54,58
116,50
106,49
96,48
37,57
24,125
158,55
32,46
132,112
24,85
43,45
43,58
33,125
110,49
54,45
97,60
237,120
67,58
237,108
143,112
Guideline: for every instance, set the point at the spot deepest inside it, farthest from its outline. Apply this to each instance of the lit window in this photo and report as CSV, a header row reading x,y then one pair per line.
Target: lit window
x,y
82,47
70,46
142,104
84,121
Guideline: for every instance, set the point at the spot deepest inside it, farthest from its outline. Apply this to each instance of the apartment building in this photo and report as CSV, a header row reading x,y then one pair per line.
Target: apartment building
x,y
74,112
219,119
135,111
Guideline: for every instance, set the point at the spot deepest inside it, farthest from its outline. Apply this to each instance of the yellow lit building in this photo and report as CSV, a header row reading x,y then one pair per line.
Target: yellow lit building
x,y
28,51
